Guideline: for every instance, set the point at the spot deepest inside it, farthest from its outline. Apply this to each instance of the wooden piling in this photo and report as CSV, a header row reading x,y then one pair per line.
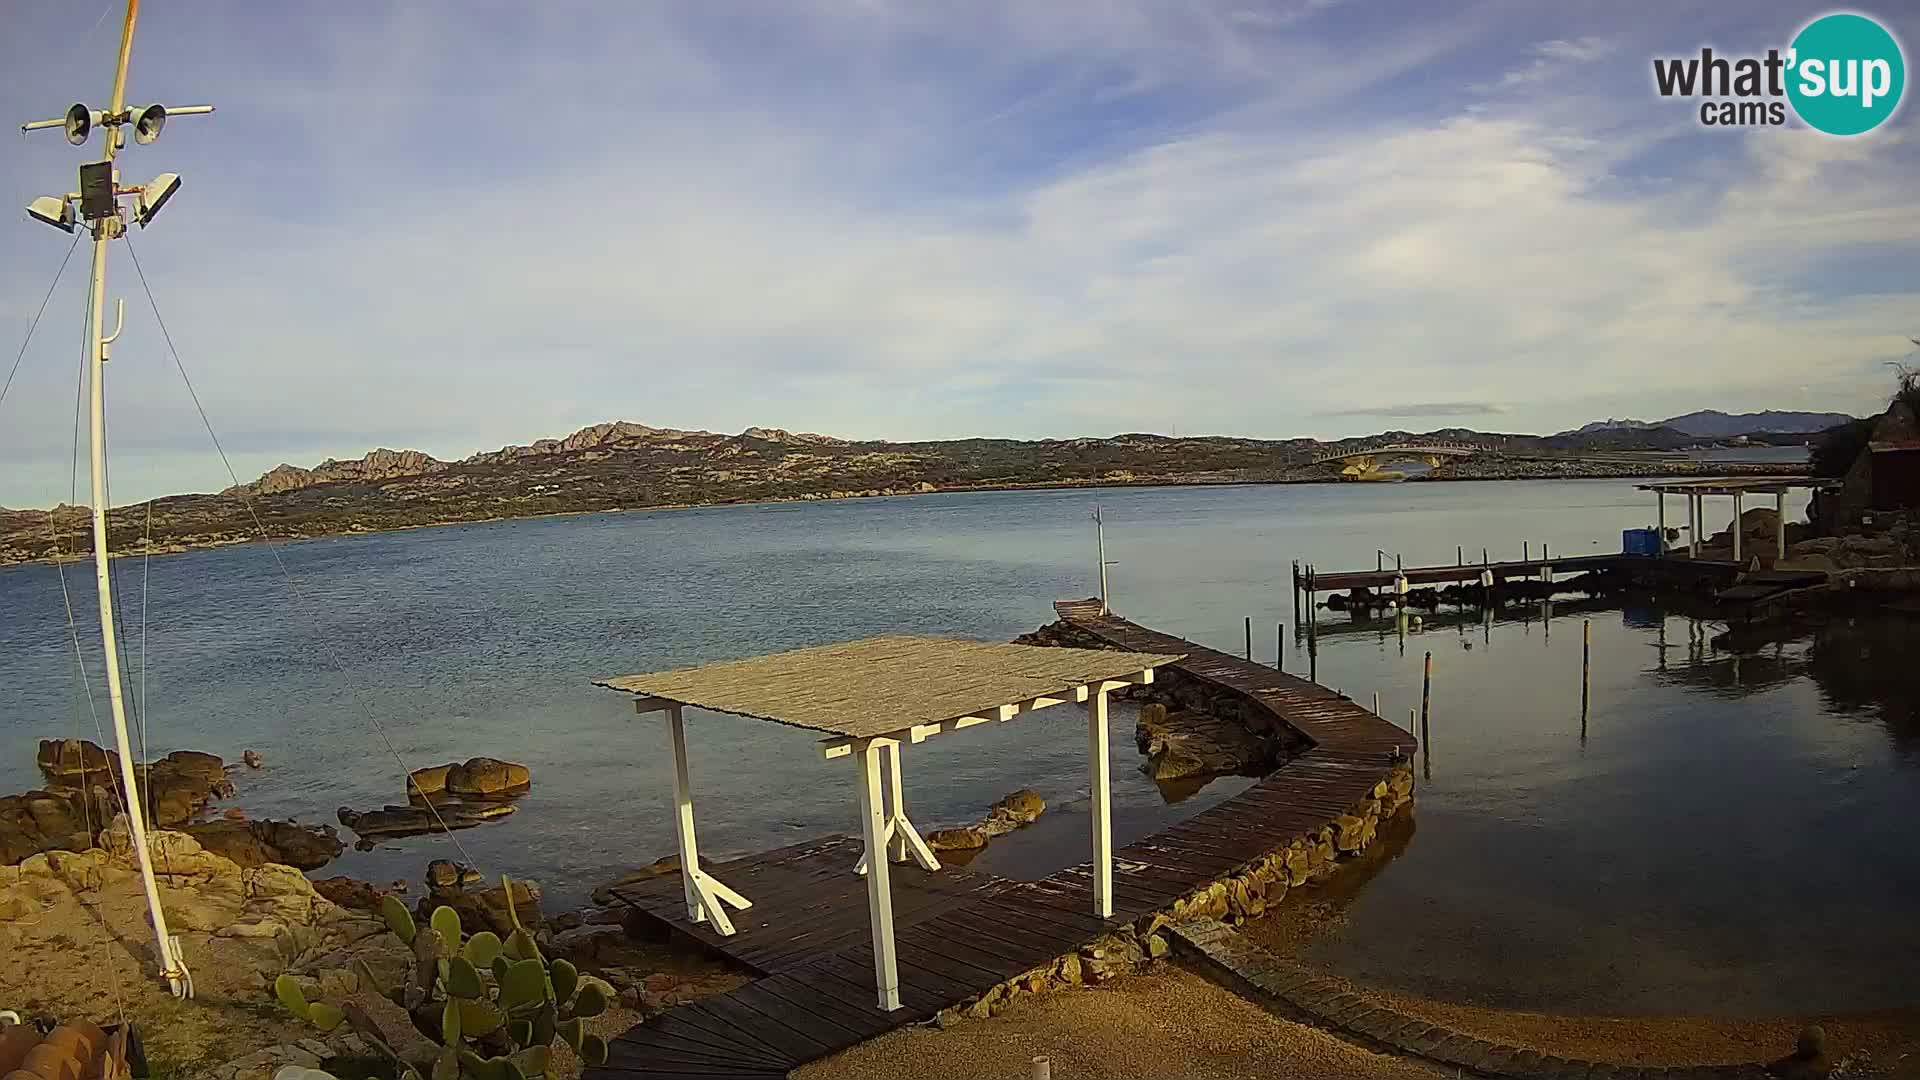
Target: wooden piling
x,y
1586,671
1249,639
1426,695
1280,646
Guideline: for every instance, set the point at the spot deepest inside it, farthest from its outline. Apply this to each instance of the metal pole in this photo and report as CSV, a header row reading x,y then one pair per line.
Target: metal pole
x,y
1660,523
1296,592
1736,529
1780,525
1100,539
1376,703
1279,646
1249,639
105,230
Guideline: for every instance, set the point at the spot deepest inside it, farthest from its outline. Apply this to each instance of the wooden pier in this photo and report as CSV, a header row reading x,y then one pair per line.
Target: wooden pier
x,y
1312,581
959,932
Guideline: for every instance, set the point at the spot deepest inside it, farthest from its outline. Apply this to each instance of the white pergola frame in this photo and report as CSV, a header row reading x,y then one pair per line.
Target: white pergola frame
x,y
706,894
1696,492
889,835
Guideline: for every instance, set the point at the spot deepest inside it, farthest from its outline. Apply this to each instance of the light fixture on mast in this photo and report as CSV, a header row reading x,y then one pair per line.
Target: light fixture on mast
x,y
98,203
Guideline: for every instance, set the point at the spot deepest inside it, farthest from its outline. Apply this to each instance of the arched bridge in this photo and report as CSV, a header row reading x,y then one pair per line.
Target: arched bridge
x,y
1433,453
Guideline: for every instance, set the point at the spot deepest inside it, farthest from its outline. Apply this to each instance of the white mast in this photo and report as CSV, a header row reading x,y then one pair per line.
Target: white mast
x,y
99,199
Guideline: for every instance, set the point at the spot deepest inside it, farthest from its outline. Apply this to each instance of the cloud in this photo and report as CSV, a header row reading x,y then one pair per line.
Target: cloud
x,y
1424,408
1036,220
1552,59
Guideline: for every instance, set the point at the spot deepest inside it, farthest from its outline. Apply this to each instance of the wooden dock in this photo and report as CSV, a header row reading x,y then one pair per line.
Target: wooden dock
x,y
959,932
1311,580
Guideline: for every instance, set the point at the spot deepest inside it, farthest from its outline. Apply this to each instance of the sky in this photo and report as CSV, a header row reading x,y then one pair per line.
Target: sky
x,y
455,226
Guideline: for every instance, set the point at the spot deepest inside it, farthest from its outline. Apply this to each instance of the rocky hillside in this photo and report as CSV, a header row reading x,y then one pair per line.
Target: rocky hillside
x,y
1714,424
624,465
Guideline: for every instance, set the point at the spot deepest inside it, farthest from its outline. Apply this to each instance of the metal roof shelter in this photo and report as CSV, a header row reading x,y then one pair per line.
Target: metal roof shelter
x,y
871,697
1696,492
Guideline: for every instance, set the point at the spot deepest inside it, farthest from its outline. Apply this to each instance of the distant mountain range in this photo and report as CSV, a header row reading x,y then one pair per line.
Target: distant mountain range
x,y
1714,424
627,466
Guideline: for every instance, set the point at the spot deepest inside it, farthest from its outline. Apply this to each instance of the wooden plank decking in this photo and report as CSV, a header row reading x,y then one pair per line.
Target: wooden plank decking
x,y
960,932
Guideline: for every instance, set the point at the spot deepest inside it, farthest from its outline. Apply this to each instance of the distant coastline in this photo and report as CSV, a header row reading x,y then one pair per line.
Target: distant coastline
x,y
128,539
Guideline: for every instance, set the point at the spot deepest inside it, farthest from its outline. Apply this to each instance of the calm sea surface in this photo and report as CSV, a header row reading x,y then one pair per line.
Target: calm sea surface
x,y
1733,833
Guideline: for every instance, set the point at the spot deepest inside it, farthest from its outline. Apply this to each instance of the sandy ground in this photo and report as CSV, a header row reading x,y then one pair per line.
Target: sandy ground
x,y
1168,1022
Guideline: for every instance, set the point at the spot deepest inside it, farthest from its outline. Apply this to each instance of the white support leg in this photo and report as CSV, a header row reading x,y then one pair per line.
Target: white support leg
x,y
1098,769
886,972
1736,527
1780,525
896,806
705,894
900,839
1660,523
1693,526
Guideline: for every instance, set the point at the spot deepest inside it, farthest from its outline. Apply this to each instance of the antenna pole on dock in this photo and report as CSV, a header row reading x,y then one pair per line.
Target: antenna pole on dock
x,y
98,206
1100,540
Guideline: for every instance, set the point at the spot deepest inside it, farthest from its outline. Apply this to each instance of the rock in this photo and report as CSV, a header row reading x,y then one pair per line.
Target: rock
x,y
1809,1060
252,759
256,843
350,893
447,874
1067,969
1170,762
485,909
428,781
41,821
670,864
416,820
1024,806
966,838
485,777
77,761
1157,946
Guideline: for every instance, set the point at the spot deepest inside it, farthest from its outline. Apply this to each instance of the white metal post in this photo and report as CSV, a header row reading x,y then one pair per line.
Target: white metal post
x,y
1693,525
1660,523
1780,524
886,972
1100,540
1736,527
683,815
105,230
1099,781
896,804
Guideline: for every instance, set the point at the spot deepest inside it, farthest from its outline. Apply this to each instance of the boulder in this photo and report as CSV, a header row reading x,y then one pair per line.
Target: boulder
x,y
257,843
487,778
447,874
428,781
670,864
418,820
40,821
77,761
350,893
485,909
966,838
1023,807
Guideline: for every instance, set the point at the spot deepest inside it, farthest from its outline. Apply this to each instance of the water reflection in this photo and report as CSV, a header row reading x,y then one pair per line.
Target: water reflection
x,y
1717,832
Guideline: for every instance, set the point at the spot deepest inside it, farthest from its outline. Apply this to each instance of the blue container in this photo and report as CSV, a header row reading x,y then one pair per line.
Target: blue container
x,y
1640,541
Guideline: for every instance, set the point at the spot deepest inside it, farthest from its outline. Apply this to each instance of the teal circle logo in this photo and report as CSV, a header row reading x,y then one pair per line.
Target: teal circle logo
x,y
1845,74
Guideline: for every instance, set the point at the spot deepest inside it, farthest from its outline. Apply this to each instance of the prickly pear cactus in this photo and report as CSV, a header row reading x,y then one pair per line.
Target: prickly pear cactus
x,y
494,1007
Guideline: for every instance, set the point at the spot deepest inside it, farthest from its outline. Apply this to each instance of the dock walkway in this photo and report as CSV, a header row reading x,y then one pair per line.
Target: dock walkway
x,y
960,933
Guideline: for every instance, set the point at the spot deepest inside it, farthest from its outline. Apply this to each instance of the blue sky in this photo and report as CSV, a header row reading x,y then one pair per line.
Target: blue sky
x,y
456,226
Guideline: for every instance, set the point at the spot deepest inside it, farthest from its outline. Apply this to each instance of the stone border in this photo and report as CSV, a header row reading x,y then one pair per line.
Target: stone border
x,y
1254,973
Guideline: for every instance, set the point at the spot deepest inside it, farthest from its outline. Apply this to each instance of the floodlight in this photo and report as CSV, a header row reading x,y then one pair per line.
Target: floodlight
x,y
154,196
53,210
96,190
79,122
